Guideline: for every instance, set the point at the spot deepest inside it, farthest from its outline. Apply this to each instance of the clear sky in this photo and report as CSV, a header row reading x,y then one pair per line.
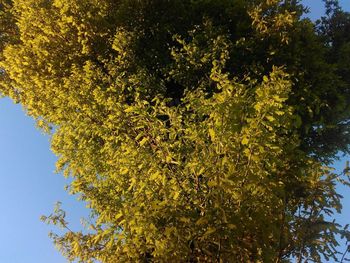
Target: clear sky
x,y
30,188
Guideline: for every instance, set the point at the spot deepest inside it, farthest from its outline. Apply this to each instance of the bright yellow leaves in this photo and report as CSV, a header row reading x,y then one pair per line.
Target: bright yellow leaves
x,y
179,157
268,23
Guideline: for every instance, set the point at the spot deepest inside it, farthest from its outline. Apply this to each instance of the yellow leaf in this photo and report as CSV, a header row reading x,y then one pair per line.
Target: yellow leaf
x,y
143,141
232,226
212,134
185,219
201,221
130,109
212,183
209,231
270,118
124,171
176,195
245,141
155,176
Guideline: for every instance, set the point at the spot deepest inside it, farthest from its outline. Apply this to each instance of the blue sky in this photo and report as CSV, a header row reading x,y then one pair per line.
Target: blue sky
x,y
30,188
317,7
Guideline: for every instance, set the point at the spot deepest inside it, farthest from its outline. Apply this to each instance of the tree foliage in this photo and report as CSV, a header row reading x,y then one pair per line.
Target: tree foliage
x,y
196,131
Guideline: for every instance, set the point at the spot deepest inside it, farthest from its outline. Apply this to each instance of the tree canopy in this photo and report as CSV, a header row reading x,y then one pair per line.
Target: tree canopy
x,y
196,131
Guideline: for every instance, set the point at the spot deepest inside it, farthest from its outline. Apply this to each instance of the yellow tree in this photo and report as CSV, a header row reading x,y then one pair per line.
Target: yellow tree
x,y
193,129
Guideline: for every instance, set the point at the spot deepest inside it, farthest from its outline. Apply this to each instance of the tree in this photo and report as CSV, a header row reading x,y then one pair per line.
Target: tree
x,y
196,131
